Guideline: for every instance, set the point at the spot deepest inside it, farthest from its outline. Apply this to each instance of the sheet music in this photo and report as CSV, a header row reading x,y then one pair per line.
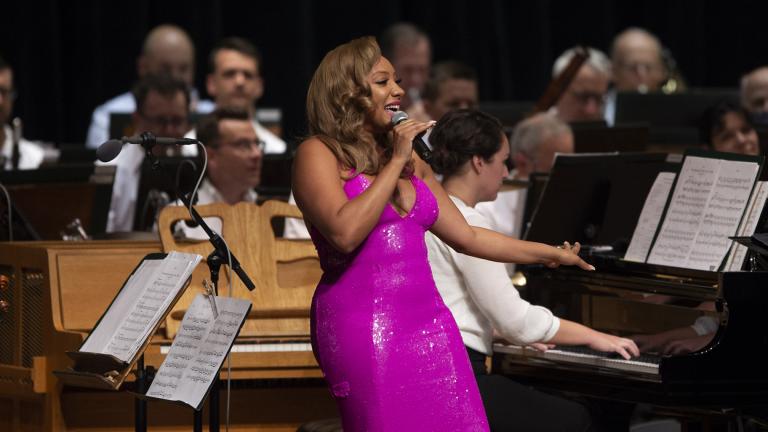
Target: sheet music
x,y
140,305
683,218
706,206
748,226
199,349
650,217
722,215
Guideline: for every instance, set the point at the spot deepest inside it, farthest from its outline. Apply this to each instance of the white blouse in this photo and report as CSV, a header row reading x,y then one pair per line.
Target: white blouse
x,y
481,296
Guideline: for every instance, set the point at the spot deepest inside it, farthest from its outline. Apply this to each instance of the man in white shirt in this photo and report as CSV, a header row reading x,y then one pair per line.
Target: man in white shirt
x,y
167,49
30,154
162,108
235,154
235,82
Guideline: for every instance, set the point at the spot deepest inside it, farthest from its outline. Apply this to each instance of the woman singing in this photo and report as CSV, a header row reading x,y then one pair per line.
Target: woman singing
x,y
389,348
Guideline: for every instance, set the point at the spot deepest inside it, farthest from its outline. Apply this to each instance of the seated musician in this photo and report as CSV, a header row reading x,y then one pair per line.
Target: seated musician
x,y
30,155
234,164
725,127
584,98
470,150
754,94
162,108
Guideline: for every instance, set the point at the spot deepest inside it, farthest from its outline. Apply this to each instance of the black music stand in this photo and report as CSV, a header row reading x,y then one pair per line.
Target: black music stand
x,y
599,138
673,119
592,198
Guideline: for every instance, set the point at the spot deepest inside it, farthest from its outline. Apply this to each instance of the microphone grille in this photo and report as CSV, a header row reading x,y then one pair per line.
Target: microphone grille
x,y
399,116
109,150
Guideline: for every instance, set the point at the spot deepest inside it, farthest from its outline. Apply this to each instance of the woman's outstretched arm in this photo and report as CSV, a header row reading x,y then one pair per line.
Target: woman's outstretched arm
x,y
453,229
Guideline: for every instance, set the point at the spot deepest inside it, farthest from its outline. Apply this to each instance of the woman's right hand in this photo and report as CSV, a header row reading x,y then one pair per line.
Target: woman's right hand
x,y
610,343
403,135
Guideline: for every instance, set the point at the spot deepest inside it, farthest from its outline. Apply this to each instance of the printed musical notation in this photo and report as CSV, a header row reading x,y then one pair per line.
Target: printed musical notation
x,y
199,349
650,217
748,226
706,207
140,305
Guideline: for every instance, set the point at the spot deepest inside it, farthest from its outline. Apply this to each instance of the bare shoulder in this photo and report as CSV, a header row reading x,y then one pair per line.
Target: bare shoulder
x,y
313,147
314,166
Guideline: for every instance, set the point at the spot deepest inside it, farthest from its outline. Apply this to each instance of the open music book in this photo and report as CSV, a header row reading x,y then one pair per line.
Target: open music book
x,y
137,311
142,303
199,349
686,221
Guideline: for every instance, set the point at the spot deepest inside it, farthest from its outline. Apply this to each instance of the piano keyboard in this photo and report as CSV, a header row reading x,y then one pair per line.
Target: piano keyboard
x,y
646,365
260,347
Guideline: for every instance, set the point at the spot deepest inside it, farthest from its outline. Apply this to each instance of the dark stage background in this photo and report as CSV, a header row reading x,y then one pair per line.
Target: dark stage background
x,y
70,56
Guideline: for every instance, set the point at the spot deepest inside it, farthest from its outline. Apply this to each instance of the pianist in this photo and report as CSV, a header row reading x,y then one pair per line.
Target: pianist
x,y
470,151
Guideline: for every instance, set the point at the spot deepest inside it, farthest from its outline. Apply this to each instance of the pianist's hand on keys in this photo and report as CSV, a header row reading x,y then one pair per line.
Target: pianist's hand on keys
x,y
571,333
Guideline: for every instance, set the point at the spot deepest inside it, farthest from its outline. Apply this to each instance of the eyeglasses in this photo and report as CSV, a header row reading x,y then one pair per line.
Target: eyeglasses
x,y
246,145
586,97
638,67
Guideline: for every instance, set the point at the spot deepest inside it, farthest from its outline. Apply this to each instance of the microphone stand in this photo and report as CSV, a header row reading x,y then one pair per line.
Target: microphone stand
x,y
220,255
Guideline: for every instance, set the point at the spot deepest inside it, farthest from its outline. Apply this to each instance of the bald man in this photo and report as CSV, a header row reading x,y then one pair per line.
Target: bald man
x,y
754,94
637,66
637,61
167,49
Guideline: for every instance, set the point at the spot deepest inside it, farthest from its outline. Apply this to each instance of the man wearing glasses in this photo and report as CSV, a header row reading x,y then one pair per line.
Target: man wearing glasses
x,y
637,66
162,108
30,155
584,99
234,163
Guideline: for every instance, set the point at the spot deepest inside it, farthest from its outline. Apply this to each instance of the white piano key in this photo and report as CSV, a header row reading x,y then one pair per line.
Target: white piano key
x,y
261,347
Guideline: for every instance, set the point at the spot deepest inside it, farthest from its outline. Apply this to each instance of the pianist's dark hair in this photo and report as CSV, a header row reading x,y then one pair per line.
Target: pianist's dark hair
x,y
461,134
713,120
208,126
4,64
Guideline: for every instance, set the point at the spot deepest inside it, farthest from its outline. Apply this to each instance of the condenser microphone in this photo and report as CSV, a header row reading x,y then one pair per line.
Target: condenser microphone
x,y
419,146
110,149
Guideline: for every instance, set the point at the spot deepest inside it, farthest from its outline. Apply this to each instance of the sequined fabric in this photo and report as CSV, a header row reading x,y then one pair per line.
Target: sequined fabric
x,y
388,346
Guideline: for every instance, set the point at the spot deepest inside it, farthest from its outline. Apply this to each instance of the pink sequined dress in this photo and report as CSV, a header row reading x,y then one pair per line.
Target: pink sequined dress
x,y
387,344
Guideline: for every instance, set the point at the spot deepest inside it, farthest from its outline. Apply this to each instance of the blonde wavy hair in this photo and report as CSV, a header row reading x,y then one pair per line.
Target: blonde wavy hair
x,y
338,101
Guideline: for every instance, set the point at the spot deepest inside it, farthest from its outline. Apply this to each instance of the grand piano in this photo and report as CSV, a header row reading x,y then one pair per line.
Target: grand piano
x,y
628,298
726,374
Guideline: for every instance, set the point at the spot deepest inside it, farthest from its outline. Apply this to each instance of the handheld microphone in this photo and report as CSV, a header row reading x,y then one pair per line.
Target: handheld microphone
x,y
110,149
419,146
